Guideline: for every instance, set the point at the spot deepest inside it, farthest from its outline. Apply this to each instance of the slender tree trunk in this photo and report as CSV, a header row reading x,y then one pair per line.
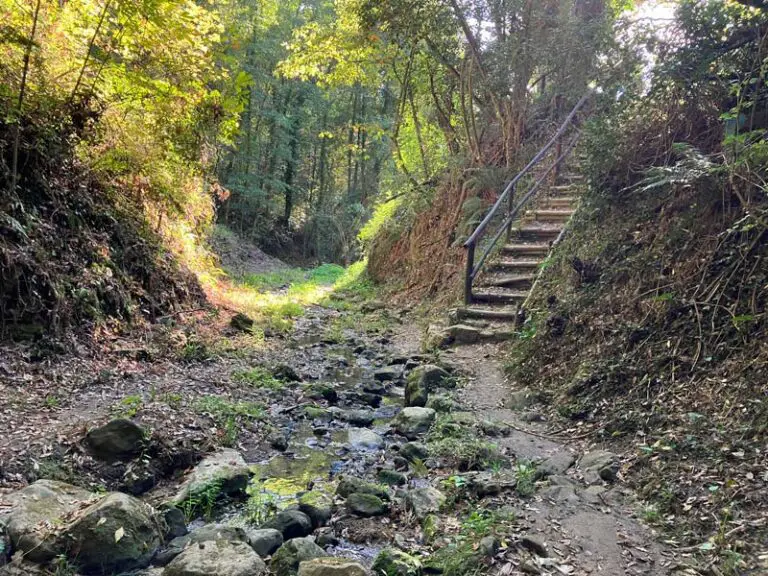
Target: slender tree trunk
x,y
20,101
89,50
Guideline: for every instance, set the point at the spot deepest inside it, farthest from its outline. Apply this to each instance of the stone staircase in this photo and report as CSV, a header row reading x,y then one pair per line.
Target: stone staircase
x,y
508,279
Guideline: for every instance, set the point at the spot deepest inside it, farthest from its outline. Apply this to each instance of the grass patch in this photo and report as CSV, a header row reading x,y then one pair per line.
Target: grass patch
x,y
128,407
230,417
460,445
258,378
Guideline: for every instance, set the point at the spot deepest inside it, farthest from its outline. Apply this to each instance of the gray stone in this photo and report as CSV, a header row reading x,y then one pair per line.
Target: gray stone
x,y
175,523
432,377
291,524
484,484
318,506
290,555
331,567
354,417
322,391
349,485
599,465
413,451
217,558
521,399
364,439
414,421
278,441
488,546
119,439
366,505
424,501
265,541
326,537
534,545
415,393
377,388
392,477
557,463
207,533
224,471
102,533
464,334
392,562
389,374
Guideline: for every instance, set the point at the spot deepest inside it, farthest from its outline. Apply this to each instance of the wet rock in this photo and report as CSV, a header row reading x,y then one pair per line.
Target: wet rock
x,y
331,567
415,393
349,485
286,560
413,451
599,465
364,439
278,441
389,373
207,533
119,439
318,506
217,558
414,421
489,546
354,417
392,562
366,505
112,533
224,471
265,541
534,545
291,524
424,501
392,477
326,537
175,522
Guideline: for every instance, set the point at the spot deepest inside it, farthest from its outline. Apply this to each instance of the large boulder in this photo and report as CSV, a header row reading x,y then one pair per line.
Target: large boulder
x,y
223,472
392,373
354,417
392,562
217,558
29,516
332,567
291,524
100,534
425,501
286,560
207,533
119,439
366,505
364,439
318,506
414,421
265,541
415,393
431,377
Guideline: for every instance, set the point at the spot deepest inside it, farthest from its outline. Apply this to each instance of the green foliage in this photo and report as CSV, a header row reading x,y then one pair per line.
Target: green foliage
x,y
525,478
258,378
230,416
262,504
128,407
202,503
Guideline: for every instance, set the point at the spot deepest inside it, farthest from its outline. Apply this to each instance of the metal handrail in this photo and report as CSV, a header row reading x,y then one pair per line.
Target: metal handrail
x,y
471,270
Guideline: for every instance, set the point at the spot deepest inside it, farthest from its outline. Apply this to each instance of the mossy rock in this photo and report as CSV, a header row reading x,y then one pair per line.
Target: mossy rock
x,y
290,555
350,485
391,562
366,505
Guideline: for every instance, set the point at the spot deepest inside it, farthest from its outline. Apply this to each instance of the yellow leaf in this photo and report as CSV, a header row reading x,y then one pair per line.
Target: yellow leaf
x,y
119,533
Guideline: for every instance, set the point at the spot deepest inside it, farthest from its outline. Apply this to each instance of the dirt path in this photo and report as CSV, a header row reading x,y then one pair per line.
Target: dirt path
x,y
586,529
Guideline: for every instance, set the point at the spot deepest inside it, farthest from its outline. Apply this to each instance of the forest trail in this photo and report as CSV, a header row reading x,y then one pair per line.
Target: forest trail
x,y
508,497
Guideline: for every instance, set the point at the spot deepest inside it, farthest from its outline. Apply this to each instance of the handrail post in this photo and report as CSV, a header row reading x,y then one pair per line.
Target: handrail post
x,y
468,277
510,207
558,153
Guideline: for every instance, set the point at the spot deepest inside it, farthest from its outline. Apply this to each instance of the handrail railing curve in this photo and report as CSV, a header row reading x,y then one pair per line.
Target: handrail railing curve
x,y
472,269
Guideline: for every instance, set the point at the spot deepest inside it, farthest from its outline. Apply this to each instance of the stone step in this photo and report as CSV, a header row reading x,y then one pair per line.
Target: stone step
x,y
538,233
568,177
562,189
507,297
550,215
515,281
481,313
526,249
519,266
566,201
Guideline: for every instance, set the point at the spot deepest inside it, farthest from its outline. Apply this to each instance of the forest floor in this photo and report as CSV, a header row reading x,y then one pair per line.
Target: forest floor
x,y
320,401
